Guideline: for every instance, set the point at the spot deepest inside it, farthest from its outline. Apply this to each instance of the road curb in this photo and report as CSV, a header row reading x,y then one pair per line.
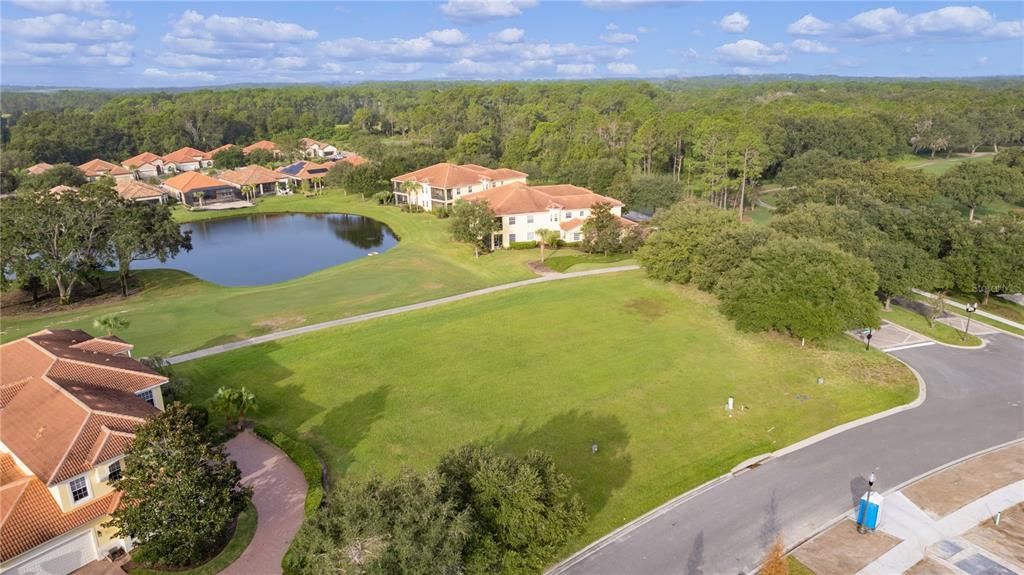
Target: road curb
x,y
744,466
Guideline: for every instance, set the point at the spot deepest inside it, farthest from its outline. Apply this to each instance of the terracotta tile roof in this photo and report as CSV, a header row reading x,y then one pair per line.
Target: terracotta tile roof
x,y
572,224
39,168
57,397
97,167
185,155
261,145
251,175
219,149
188,181
31,517
108,445
105,344
135,190
354,159
141,160
448,176
304,170
307,143
519,198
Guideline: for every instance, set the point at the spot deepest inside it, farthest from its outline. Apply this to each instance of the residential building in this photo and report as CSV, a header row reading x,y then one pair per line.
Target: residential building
x,y
311,148
70,405
262,145
441,184
257,180
97,168
39,168
145,165
187,160
196,189
351,158
137,191
524,209
307,174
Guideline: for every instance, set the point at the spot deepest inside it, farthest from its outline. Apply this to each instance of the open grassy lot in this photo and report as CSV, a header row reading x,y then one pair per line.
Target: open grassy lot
x,y
176,312
940,164
640,367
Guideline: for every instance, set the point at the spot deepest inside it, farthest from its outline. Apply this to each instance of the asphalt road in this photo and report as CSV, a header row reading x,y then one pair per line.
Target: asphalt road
x,y
974,400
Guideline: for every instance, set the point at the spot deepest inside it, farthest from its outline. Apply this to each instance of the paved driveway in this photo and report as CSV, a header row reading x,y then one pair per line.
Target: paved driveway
x,y
974,401
279,494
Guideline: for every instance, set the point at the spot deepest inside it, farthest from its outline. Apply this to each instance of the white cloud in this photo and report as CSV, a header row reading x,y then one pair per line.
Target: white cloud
x,y
620,38
392,50
467,67
94,7
642,29
743,70
575,69
983,61
959,19
811,47
611,26
690,54
509,35
64,28
623,68
1007,29
64,40
880,21
809,25
480,10
663,72
448,36
238,29
751,53
164,74
736,23
626,4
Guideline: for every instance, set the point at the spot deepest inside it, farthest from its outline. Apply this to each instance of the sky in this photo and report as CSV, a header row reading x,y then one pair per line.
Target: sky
x,y
98,43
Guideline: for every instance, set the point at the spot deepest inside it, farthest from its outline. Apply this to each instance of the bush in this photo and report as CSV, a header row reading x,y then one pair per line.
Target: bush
x,y
412,208
441,213
522,245
305,457
383,198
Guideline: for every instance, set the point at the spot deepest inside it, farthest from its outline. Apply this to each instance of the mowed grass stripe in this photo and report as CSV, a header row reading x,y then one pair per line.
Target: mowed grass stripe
x,y
639,367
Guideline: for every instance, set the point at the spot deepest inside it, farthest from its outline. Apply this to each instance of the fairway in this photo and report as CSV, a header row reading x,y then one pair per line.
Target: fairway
x,y
176,312
639,367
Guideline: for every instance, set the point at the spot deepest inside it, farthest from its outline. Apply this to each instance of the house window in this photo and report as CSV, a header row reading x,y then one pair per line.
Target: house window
x,y
529,236
511,220
553,217
147,396
581,213
575,236
529,219
79,489
114,471
511,238
568,215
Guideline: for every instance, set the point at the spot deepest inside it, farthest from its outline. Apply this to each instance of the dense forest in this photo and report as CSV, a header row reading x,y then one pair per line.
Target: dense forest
x,y
644,142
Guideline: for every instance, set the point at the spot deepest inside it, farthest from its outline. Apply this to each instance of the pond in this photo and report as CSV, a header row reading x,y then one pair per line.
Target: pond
x,y
263,249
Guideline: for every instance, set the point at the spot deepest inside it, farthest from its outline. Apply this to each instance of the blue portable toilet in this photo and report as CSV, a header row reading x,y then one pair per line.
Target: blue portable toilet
x,y
869,510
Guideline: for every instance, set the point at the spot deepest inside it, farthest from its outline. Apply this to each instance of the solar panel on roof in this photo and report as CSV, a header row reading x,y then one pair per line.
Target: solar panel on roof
x,y
293,169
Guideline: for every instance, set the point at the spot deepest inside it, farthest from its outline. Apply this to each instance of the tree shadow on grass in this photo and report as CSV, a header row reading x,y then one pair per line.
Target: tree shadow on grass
x,y
346,426
568,438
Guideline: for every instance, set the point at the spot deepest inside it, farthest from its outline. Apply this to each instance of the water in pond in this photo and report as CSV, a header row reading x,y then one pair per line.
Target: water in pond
x,y
269,248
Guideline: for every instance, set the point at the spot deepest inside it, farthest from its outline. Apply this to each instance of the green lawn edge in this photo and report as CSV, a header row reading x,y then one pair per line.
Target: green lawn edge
x,y
940,332
563,263
245,529
302,455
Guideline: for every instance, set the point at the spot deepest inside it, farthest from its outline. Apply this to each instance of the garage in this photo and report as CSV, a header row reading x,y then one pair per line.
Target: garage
x,y
59,557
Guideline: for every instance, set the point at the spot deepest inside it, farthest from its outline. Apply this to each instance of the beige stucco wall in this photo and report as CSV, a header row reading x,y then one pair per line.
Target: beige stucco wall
x,y
525,230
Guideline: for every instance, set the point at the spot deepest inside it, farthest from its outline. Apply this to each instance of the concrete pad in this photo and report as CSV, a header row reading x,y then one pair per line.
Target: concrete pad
x,y
891,337
979,564
930,567
841,550
958,323
950,489
1005,540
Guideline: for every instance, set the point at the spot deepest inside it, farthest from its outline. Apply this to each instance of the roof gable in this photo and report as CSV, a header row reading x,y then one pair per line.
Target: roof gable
x,y
188,181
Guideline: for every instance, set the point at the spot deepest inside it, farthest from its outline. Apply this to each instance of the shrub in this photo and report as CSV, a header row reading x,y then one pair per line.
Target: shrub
x,y
522,245
305,457
441,213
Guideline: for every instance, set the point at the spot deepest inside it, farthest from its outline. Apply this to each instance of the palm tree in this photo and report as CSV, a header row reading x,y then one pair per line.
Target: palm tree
x,y
546,238
111,323
409,188
235,403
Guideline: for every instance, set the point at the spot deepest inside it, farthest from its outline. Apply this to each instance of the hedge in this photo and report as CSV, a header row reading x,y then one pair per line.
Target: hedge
x,y
522,245
305,457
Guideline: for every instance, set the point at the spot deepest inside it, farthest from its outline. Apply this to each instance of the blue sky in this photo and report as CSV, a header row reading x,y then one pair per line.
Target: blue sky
x,y
156,44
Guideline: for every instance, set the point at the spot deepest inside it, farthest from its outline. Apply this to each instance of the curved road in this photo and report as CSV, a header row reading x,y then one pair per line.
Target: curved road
x,y
974,400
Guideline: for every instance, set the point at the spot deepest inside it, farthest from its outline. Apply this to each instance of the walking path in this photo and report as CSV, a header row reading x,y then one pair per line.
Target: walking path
x,y
387,312
980,312
279,494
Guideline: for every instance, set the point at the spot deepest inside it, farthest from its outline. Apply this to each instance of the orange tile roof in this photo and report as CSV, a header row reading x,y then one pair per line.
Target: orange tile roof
x,y
141,160
307,143
188,181
29,516
135,190
519,198
56,397
97,167
354,159
251,175
219,149
571,224
185,155
448,176
261,145
39,168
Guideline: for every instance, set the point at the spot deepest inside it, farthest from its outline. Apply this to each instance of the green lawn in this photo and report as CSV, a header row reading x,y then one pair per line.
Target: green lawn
x,y
244,531
639,367
176,312
938,165
917,322
577,262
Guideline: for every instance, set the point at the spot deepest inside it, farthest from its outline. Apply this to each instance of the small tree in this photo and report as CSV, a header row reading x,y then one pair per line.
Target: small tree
x,y
142,232
474,223
179,492
546,238
936,308
261,157
601,232
111,323
235,404
775,560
